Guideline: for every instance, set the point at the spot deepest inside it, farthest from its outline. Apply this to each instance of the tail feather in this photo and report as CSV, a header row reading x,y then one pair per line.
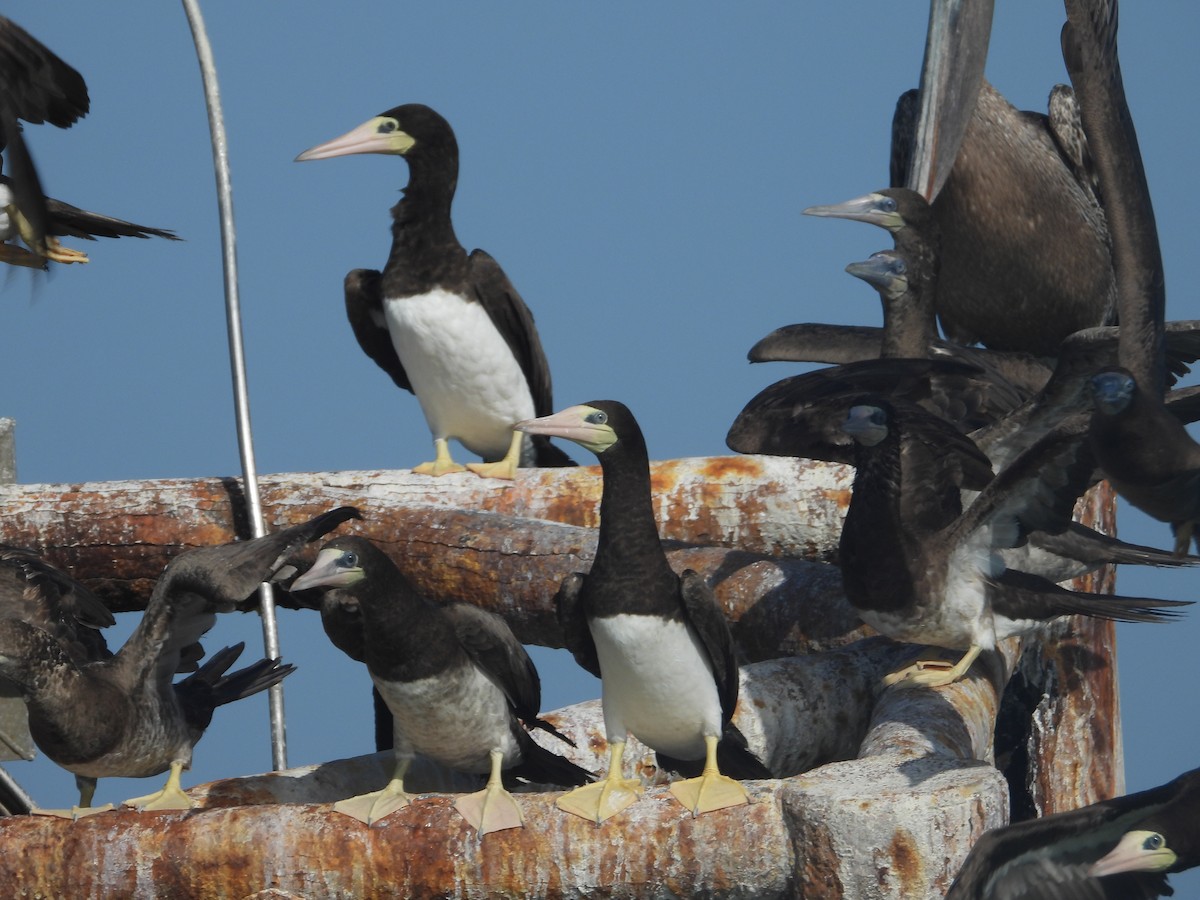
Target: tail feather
x,y
549,456
542,766
734,759
1025,596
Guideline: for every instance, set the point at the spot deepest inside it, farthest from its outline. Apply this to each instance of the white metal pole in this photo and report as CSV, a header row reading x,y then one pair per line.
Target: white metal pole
x,y
237,357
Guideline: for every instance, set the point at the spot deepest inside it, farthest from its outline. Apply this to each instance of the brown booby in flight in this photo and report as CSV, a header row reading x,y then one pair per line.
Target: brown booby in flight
x,y
38,87
1003,184
919,568
1119,849
658,641
1145,452
100,715
444,324
460,687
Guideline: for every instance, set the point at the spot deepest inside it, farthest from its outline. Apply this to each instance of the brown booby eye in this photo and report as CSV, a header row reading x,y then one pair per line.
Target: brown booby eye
x,y
599,417
388,126
888,204
1153,842
349,560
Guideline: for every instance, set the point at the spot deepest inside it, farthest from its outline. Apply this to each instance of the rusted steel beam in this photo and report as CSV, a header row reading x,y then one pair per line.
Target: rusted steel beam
x,y
894,823
776,507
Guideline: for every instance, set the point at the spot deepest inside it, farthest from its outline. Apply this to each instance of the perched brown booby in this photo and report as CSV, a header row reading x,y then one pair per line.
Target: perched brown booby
x,y
460,687
919,568
1119,849
657,640
99,715
444,324
37,86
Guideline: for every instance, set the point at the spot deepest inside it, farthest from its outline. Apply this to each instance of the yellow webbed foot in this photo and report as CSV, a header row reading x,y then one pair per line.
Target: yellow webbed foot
x,y
370,808
602,800
442,464
493,808
500,469
57,252
711,790
933,672
708,792
75,813
503,468
170,797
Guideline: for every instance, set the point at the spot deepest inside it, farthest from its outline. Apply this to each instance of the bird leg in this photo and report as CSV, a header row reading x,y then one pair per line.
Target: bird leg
x,y
1183,536
370,808
43,247
934,672
443,464
711,790
170,797
503,468
87,790
599,801
493,808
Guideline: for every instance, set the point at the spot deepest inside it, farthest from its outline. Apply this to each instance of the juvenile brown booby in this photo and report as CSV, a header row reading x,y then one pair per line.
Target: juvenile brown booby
x,y
1119,849
657,640
37,86
1013,185
460,687
1148,456
121,716
444,324
918,568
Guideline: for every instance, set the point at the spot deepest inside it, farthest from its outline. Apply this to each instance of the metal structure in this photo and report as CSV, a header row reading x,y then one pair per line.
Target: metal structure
x,y
237,356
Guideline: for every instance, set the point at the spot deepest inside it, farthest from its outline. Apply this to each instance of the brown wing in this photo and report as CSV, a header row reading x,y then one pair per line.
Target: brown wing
x,y
364,309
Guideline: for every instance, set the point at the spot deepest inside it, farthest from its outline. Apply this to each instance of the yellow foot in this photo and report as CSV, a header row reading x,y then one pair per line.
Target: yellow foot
x,y
600,801
708,792
500,469
75,813
370,808
168,798
933,672
492,809
61,254
437,467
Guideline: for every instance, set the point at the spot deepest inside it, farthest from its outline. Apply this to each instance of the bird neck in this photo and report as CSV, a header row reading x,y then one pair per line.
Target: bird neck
x,y
910,321
628,527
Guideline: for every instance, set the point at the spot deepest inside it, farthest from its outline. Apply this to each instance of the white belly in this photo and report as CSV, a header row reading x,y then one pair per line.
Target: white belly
x,y
657,684
6,225
457,719
470,385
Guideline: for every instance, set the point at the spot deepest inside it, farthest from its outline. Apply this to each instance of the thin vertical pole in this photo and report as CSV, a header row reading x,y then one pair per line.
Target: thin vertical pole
x,y
237,356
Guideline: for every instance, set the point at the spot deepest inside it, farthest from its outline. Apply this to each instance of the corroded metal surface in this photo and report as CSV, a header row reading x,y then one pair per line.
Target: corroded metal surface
x,y
894,822
777,507
892,825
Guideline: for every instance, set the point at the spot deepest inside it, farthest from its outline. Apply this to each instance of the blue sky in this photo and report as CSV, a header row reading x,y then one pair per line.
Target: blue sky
x,y
638,170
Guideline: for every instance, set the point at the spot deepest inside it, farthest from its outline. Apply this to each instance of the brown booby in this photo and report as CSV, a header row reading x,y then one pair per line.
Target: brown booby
x,y
38,87
1119,849
1003,184
658,641
444,324
100,715
460,687
1145,452
919,568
